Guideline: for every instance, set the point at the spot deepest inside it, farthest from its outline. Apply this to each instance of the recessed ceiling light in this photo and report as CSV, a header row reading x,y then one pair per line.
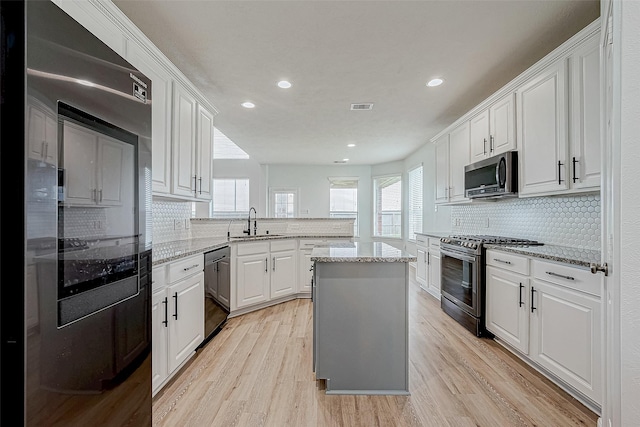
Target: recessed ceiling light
x,y
435,82
248,104
345,160
284,84
351,145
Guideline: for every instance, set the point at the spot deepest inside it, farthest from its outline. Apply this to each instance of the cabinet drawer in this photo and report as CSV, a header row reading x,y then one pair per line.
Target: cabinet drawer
x,y
253,248
422,240
185,267
434,243
283,245
568,276
309,244
507,261
158,278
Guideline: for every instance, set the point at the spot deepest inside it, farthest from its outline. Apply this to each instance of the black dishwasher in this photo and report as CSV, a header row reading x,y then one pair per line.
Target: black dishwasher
x,y
217,291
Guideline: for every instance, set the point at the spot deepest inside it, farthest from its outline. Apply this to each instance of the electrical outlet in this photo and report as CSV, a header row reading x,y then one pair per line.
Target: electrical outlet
x,y
487,223
435,208
187,223
178,224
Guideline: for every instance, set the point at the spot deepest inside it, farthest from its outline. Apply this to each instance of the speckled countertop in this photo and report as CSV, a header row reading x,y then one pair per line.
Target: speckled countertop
x,y
171,251
575,256
435,233
360,252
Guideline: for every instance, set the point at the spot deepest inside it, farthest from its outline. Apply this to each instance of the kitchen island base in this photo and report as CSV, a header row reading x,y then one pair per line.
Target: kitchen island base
x,y
361,327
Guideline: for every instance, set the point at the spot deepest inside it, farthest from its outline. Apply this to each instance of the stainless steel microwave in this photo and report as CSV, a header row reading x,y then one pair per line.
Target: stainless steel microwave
x,y
494,177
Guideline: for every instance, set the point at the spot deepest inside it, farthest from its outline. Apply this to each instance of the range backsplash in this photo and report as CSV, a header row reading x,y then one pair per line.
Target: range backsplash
x,y
572,221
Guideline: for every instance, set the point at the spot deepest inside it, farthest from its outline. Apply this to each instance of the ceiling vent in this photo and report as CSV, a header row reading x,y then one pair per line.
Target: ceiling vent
x,y
362,106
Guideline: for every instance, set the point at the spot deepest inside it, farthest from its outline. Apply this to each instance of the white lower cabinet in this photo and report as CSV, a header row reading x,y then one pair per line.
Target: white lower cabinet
x,y
428,264
305,272
550,313
177,313
264,271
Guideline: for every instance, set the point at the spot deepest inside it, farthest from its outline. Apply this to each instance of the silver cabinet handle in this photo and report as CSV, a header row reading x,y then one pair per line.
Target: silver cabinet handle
x,y
100,192
274,263
195,184
484,146
189,268
266,265
551,273
597,267
200,179
491,144
502,261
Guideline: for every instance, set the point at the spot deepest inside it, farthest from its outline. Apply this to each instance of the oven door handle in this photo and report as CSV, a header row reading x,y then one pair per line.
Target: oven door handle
x,y
457,255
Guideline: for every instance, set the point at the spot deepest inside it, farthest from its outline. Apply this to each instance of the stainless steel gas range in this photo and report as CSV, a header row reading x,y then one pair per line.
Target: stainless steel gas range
x,y
462,261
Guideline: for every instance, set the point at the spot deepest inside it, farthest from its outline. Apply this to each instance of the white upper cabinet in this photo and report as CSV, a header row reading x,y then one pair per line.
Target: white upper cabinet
x,y
585,115
493,130
192,146
542,131
204,154
550,114
458,159
182,118
442,169
184,142
140,58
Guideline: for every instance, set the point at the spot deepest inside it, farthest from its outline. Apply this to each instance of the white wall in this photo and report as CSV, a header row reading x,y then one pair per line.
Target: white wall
x,y
629,19
239,168
313,189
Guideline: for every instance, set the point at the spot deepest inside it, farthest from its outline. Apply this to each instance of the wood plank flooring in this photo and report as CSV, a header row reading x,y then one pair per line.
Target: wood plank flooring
x,y
258,372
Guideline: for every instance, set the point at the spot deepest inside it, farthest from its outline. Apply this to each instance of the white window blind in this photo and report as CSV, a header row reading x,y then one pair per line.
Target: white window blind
x,y
230,198
343,199
387,206
415,202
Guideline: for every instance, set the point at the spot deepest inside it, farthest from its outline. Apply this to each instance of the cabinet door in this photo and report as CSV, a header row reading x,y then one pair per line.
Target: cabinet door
x,y
433,261
205,154
507,307
442,169
542,131
421,266
184,142
304,281
224,278
479,140
565,335
36,137
186,321
283,273
502,135
458,159
111,165
161,115
252,279
159,335
585,115
80,157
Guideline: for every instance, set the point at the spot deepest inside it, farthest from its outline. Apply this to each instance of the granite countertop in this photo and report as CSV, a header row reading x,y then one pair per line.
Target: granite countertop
x,y
566,254
171,251
435,233
360,252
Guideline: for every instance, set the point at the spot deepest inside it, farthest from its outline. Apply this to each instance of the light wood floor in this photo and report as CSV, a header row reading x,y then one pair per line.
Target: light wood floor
x,y
258,372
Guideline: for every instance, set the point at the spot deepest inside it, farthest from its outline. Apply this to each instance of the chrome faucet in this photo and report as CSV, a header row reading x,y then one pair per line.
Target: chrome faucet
x,y
255,222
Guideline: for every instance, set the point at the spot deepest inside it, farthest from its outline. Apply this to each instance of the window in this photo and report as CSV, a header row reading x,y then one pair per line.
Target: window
x,y
230,198
224,148
415,202
284,203
343,199
387,206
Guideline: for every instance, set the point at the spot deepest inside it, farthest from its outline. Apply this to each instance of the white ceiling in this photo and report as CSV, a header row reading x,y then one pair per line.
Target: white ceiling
x,y
340,52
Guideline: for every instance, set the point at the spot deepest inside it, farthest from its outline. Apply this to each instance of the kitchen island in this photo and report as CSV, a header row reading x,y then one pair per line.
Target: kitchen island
x,y
360,318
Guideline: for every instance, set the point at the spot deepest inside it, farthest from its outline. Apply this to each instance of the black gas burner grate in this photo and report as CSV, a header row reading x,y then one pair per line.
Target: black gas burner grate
x,y
495,240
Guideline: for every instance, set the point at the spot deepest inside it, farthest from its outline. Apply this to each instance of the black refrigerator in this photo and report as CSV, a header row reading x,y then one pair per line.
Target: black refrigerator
x,y
75,217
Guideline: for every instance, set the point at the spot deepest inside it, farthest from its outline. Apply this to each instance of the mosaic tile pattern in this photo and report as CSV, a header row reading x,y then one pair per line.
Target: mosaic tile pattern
x,y
205,227
165,213
572,221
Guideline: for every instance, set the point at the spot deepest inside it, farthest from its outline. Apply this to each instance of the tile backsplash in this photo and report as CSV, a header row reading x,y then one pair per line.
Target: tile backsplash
x,y
572,221
170,221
